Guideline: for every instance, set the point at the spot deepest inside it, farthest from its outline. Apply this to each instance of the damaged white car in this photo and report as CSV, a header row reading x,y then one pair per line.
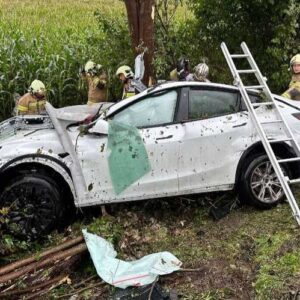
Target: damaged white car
x,y
172,139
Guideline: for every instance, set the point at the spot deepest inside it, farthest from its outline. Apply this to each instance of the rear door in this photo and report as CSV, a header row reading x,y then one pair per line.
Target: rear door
x,y
216,132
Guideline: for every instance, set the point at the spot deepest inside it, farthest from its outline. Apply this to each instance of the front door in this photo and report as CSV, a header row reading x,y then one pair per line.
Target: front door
x,y
153,118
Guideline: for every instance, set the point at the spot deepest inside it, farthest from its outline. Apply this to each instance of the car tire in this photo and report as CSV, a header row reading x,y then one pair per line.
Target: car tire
x,y
34,205
258,184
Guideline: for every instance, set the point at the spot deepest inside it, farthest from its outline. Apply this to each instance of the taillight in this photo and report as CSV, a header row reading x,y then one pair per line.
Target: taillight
x,y
296,115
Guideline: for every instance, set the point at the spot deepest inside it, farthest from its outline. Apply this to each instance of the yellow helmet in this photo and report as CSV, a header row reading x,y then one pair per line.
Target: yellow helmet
x,y
37,87
126,71
91,67
295,59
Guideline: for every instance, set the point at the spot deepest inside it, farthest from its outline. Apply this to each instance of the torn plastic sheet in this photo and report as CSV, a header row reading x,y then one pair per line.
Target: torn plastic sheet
x,y
128,160
122,273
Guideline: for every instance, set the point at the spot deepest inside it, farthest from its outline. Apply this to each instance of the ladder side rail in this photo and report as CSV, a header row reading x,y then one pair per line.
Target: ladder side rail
x,y
259,77
266,144
229,60
272,158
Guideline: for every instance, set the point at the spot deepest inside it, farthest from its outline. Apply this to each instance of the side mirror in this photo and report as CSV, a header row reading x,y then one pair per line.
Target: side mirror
x,y
101,127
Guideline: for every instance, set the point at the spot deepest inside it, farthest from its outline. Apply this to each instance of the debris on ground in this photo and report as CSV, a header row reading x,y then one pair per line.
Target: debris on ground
x,y
221,207
148,292
122,273
43,272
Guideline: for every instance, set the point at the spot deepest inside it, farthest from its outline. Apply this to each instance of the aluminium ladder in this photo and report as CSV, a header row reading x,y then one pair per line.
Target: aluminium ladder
x,y
266,141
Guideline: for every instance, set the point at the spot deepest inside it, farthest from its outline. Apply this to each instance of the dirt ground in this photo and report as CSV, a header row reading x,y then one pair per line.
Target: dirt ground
x,y
247,254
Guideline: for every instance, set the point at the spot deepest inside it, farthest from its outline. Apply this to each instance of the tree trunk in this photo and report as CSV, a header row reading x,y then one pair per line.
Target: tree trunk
x,y
141,25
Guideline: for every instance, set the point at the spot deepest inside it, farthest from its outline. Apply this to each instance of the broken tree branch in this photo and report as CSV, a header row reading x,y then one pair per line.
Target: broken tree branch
x,y
21,263
37,295
85,281
80,248
191,270
81,290
33,288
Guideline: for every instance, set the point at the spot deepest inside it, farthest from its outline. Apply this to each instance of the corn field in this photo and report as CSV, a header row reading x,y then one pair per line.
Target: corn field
x,y
51,40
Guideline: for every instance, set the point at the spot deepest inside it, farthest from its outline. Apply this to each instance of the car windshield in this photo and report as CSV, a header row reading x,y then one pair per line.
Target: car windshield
x,y
9,127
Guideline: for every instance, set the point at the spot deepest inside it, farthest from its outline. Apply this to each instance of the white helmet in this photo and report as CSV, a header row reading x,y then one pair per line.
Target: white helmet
x,y
126,71
37,87
201,71
295,60
91,67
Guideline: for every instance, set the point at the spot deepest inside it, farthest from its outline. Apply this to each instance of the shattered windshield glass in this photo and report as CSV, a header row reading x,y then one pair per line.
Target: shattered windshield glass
x,y
9,128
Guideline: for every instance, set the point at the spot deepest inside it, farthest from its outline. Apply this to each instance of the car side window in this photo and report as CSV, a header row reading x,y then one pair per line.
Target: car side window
x,y
253,99
205,104
154,110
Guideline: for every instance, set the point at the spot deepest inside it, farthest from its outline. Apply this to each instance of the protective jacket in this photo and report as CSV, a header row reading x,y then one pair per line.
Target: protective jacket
x,y
128,90
173,75
29,105
293,92
97,88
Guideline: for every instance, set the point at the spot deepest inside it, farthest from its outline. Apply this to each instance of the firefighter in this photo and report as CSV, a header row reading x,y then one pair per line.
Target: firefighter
x,y
293,92
126,75
201,72
183,70
96,81
173,75
34,101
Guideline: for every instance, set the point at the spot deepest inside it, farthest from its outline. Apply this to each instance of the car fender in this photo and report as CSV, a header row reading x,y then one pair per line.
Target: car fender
x,y
258,147
57,164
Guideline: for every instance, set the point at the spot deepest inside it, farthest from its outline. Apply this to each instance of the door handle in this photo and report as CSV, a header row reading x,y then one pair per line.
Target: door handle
x,y
165,137
240,125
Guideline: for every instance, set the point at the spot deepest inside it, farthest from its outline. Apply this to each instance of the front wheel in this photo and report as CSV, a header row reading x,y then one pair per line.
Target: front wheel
x,y
33,205
259,185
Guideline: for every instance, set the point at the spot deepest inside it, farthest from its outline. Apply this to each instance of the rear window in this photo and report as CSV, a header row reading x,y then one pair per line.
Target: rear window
x,y
253,99
205,104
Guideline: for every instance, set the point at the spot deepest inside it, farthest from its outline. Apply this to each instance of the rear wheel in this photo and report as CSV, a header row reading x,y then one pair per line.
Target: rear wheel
x,y
33,205
259,184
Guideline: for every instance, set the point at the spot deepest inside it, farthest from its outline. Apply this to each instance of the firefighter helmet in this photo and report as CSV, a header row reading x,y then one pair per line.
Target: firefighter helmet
x,y
295,59
37,87
126,71
92,68
201,71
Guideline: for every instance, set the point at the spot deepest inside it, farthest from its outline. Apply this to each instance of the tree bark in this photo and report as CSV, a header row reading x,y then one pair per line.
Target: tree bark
x,y
141,26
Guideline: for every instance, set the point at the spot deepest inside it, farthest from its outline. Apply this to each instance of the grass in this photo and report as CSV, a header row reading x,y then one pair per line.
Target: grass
x,y
249,254
51,41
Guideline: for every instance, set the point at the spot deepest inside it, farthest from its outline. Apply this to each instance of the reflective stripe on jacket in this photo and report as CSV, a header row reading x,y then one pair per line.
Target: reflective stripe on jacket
x,y
27,104
128,90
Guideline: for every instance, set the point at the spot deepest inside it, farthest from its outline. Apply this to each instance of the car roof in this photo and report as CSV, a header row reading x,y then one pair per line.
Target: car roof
x,y
164,86
177,84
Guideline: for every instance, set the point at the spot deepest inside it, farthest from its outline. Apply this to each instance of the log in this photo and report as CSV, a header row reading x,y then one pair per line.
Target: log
x,y
21,263
80,248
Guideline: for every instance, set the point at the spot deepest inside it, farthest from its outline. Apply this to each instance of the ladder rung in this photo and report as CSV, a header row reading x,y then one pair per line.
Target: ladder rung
x,y
288,159
262,103
254,87
280,140
294,180
246,71
271,122
239,55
